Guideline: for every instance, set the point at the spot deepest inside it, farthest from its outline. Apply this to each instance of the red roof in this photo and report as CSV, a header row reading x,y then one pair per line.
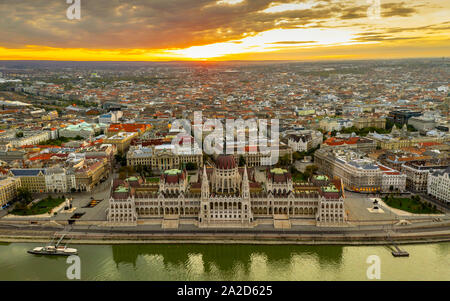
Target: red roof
x,y
340,141
128,127
48,156
429,143
40,146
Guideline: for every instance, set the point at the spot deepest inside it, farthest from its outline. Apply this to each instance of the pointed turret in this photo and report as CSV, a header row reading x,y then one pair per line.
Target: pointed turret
x,y
394,129
205,184
245,185
404,128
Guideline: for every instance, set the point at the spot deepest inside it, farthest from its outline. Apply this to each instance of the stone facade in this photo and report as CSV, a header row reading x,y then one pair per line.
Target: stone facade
x,y
439,185
361,123
305,140
417,173
359,173
8,189
225,196
59,180
161,157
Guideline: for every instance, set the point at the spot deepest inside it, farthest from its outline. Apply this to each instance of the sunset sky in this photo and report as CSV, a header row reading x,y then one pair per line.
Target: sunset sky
x,y
155,30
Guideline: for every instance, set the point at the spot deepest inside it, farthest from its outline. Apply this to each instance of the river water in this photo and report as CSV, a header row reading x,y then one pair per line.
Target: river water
x,y
227,262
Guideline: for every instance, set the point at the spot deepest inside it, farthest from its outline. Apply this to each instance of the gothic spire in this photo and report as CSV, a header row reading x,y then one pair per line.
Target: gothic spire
x,y
245,185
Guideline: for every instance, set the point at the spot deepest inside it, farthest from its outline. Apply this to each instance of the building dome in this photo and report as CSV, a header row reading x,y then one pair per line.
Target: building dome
x,y
225,162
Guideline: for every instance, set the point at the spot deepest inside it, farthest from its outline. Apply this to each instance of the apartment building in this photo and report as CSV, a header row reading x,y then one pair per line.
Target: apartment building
x,y
304,141
116,128
12,155
402,116
439,184
356,143
358,173
111,117
31,138
366,122
82,129
90,172
122,140
417,173
422,123
162,157
390,142
30,179
254,156
8,190
59,179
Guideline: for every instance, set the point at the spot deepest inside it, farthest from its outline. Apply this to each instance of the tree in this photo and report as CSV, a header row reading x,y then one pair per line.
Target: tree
x,y
191,166
241,161
24,196
121,159
311,169
297,156
293,170
19,134
139,170
410,128
130,170
284,160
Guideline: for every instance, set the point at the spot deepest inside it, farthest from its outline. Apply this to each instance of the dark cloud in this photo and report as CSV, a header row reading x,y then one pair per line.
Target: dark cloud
x,y
383,38
161,23
140,23
355,13
396,10
387,10
440,27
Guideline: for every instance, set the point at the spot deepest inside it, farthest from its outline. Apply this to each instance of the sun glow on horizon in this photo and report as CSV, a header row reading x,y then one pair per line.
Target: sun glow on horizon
x,y
271,40
218,30
268,41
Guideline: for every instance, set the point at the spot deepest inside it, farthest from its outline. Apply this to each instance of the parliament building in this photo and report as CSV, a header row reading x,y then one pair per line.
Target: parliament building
x,y
225,195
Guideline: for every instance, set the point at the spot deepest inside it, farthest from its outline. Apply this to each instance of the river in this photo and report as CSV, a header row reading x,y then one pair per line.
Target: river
x,y
227,262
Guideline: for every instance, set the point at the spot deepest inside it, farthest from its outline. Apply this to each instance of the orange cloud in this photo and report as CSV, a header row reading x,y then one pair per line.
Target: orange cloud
x,y
160,30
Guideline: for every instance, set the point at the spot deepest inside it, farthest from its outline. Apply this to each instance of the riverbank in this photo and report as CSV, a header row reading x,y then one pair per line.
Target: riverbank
x,y
425,235
228,242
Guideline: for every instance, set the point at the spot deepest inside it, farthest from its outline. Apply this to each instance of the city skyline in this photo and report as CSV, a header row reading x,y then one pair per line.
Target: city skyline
x,y
224,30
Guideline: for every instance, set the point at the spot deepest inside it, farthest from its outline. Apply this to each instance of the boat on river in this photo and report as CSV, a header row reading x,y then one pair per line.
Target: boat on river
x,y
55,248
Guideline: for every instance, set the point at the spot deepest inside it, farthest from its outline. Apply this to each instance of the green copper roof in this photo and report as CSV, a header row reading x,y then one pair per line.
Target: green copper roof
x,y
278,171
172,172
121,189
331,188
322,178
132,179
